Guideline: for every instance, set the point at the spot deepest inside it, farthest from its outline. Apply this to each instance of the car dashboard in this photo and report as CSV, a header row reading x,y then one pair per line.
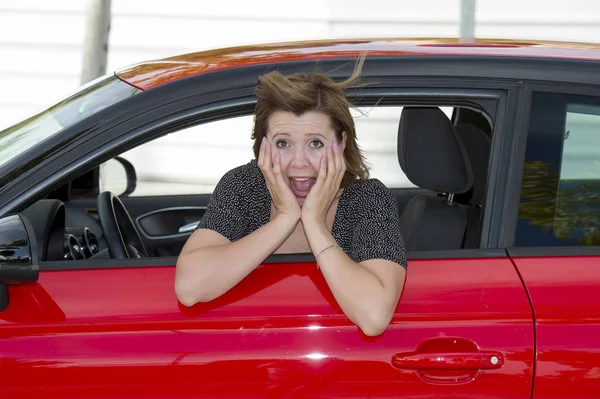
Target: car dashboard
x,y
59,233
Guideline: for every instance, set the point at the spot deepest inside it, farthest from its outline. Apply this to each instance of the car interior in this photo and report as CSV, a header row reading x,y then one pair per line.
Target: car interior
x,y
443,211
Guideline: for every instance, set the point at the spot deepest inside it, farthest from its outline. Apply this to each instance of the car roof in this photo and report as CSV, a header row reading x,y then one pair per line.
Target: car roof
x,y
147,75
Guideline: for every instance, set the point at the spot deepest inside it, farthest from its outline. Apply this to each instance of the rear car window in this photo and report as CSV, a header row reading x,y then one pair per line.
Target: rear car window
x,y
560,192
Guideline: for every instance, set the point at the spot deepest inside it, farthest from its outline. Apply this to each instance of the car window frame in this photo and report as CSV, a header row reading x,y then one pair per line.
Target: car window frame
x,y
516,174
111,131
493,92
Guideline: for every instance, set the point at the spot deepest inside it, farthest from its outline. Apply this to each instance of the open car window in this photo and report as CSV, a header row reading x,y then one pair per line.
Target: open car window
x,y
174,175
191,161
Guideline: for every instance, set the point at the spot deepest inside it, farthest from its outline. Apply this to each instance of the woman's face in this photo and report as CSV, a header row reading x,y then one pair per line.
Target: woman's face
x,y
302,142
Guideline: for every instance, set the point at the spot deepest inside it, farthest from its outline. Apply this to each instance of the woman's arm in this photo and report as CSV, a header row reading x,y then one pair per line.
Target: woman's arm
x,y
367,292
210,265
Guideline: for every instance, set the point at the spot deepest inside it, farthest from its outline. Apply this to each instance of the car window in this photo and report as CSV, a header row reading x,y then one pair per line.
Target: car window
x,y
191,161
560,193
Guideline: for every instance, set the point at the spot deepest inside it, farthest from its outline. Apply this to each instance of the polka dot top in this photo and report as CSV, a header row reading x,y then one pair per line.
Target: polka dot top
x,y
366,224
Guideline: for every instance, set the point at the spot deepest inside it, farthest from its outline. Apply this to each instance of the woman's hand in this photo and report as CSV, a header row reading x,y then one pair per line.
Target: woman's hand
x,y
283,198
327,187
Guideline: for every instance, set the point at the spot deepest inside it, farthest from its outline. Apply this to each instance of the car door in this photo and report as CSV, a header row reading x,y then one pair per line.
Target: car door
x,y
556,246
463,328
104,328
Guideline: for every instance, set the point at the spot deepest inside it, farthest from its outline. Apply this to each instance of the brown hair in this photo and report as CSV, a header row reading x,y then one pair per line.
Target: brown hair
x,y
304,92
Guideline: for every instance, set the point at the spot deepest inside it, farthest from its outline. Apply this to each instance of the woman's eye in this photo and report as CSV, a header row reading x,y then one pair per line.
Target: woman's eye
x,y
281,144
316,144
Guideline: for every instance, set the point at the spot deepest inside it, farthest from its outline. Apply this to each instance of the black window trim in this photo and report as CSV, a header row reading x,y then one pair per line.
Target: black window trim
x,y
516,175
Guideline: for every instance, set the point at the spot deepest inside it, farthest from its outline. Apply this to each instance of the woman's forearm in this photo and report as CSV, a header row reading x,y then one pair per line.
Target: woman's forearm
x,y
206,273
363,297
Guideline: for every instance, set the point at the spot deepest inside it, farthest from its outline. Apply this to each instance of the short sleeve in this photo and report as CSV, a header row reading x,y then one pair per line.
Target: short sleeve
x,y
377,234
224,211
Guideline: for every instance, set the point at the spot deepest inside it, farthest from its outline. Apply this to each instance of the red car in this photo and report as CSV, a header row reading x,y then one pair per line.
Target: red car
x,y
502,296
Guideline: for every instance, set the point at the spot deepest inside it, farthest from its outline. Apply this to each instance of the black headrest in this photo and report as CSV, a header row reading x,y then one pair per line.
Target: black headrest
x,y
430,153
478,145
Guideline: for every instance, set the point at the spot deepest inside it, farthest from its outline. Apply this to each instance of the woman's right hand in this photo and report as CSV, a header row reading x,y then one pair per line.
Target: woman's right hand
x,y
283,198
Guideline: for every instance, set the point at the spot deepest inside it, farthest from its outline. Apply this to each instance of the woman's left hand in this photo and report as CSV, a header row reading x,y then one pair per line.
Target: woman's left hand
x,y
327,187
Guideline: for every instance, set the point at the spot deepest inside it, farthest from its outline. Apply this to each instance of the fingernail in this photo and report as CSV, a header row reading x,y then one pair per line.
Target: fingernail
x,y
264,141
277,154
336,144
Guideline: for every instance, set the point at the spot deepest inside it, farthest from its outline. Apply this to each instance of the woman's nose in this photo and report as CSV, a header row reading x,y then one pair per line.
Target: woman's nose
x,y
300,158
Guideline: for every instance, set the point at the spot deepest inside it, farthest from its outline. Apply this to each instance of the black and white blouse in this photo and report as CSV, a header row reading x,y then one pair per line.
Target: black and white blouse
x,y
366,224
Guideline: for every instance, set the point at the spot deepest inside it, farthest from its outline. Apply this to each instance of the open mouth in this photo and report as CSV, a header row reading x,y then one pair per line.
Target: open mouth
x,y
302,185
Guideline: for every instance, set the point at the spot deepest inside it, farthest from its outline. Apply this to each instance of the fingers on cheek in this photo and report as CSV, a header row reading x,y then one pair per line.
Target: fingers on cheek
x,y
323,166
339,157
270,154
332,165
341,162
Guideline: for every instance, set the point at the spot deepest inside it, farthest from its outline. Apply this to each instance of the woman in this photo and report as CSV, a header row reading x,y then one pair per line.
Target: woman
x,y
308,191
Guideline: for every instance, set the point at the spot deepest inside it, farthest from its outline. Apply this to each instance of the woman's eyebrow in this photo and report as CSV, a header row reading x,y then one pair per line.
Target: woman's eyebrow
x,y
307,134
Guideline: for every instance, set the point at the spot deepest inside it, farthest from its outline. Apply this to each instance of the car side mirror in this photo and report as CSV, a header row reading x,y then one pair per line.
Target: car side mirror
x,y
118,176
17,265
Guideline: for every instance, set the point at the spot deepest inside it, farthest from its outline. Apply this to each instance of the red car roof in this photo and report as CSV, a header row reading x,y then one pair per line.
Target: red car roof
x,y
151,74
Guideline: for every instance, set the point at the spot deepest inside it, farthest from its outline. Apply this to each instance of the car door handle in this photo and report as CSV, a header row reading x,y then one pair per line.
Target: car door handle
x,y
448,361
188,227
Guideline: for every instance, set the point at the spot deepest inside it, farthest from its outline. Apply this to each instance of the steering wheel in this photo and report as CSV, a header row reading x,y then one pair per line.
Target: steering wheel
x,y
121,235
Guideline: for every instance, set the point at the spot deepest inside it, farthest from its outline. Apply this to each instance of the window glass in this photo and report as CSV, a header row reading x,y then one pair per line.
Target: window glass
x,y
580,156
560,194
191,161
89,99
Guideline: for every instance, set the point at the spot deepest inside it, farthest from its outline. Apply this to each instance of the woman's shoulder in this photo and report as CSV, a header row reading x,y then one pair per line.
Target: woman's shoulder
x,y
368,188
370,195
245,174
241,181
